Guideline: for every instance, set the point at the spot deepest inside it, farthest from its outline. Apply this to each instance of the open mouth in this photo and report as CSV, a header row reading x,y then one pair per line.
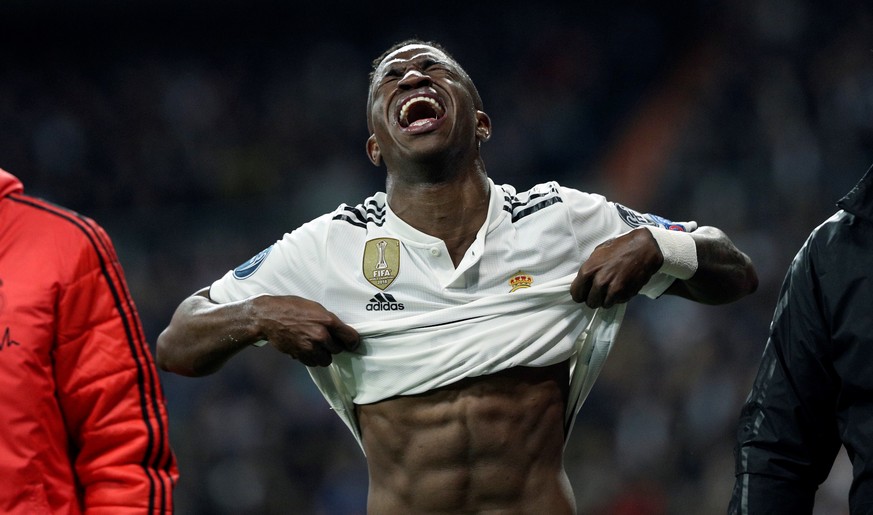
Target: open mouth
x,y
419,111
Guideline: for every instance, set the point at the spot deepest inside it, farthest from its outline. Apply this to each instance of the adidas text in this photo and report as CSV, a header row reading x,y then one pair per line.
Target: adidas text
x,y
384,302
385,306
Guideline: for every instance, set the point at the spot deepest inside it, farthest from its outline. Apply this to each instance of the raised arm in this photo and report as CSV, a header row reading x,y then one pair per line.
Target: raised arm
x,y
708,267
203,335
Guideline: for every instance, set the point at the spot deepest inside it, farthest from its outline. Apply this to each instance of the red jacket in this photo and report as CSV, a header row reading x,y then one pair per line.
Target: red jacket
x,y
83,425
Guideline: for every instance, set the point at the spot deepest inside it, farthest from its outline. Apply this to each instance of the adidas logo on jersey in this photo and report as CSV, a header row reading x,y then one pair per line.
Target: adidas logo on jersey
x,y
384,302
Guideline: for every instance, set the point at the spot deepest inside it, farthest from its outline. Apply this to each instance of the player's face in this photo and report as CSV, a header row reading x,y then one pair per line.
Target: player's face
x,y
421,107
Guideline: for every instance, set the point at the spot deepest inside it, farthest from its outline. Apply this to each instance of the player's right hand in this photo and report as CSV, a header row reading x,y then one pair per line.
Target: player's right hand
x,y
617,270
303,329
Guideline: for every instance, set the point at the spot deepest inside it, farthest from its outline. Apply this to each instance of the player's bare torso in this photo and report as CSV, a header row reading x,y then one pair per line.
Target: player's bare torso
x,y
491,443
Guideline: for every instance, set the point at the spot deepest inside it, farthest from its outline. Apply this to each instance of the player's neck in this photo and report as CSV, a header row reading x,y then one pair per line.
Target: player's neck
x,y
452,210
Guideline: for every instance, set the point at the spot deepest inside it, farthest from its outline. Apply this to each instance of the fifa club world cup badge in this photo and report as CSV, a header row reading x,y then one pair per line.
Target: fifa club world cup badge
x,y
381,261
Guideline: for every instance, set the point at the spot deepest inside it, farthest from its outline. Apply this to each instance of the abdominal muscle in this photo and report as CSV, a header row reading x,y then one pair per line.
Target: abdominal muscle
x,y
485,444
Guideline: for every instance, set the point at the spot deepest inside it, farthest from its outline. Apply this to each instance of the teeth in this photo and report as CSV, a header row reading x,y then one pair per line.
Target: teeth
x,y
404,111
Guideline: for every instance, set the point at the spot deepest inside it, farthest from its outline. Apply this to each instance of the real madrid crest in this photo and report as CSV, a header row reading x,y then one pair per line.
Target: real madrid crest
x,y
381,261
520,280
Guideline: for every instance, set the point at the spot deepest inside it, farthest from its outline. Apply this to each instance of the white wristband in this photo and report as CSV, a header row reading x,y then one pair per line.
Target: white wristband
x,y
679,250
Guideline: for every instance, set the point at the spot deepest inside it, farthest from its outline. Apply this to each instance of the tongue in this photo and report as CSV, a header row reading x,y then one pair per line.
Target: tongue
x,y
423,121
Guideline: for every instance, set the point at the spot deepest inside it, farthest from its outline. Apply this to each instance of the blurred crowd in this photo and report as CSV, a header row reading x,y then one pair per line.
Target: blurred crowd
x,y
197,133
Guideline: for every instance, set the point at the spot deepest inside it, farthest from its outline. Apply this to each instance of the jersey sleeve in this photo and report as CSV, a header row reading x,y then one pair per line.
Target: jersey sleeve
x,y
595,220
788,437
293,265
109,389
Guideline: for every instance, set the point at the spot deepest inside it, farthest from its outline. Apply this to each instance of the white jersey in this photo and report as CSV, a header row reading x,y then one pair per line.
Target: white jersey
x,y
425,323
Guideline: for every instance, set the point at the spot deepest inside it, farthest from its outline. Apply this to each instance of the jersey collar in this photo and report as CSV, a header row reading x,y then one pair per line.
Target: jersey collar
x,y
411,235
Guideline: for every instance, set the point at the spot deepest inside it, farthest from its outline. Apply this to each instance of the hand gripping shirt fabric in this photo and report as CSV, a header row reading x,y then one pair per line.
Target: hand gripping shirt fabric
x,y
508,298
424,352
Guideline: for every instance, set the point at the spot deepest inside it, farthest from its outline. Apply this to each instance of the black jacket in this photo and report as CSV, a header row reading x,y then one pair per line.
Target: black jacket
x,y
814,388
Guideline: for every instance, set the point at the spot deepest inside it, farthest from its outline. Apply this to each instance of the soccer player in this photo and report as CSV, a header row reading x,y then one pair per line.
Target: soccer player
x,y
83,426
455,325
814,386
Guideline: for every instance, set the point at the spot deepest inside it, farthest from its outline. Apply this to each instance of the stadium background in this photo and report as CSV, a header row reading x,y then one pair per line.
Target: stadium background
x,y
197,132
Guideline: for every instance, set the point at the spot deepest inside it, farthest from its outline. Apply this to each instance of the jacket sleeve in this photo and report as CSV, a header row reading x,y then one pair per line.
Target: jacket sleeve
x,y
787,437
109,389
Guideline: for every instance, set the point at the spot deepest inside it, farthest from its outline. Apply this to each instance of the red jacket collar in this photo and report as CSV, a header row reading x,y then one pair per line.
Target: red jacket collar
x,y
9,183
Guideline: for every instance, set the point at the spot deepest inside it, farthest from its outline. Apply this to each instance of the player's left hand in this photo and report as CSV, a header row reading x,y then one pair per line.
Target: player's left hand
x,y
617,269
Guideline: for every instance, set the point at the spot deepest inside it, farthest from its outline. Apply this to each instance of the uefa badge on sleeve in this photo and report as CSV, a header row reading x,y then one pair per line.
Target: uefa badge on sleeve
x,y
251,266
381,261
